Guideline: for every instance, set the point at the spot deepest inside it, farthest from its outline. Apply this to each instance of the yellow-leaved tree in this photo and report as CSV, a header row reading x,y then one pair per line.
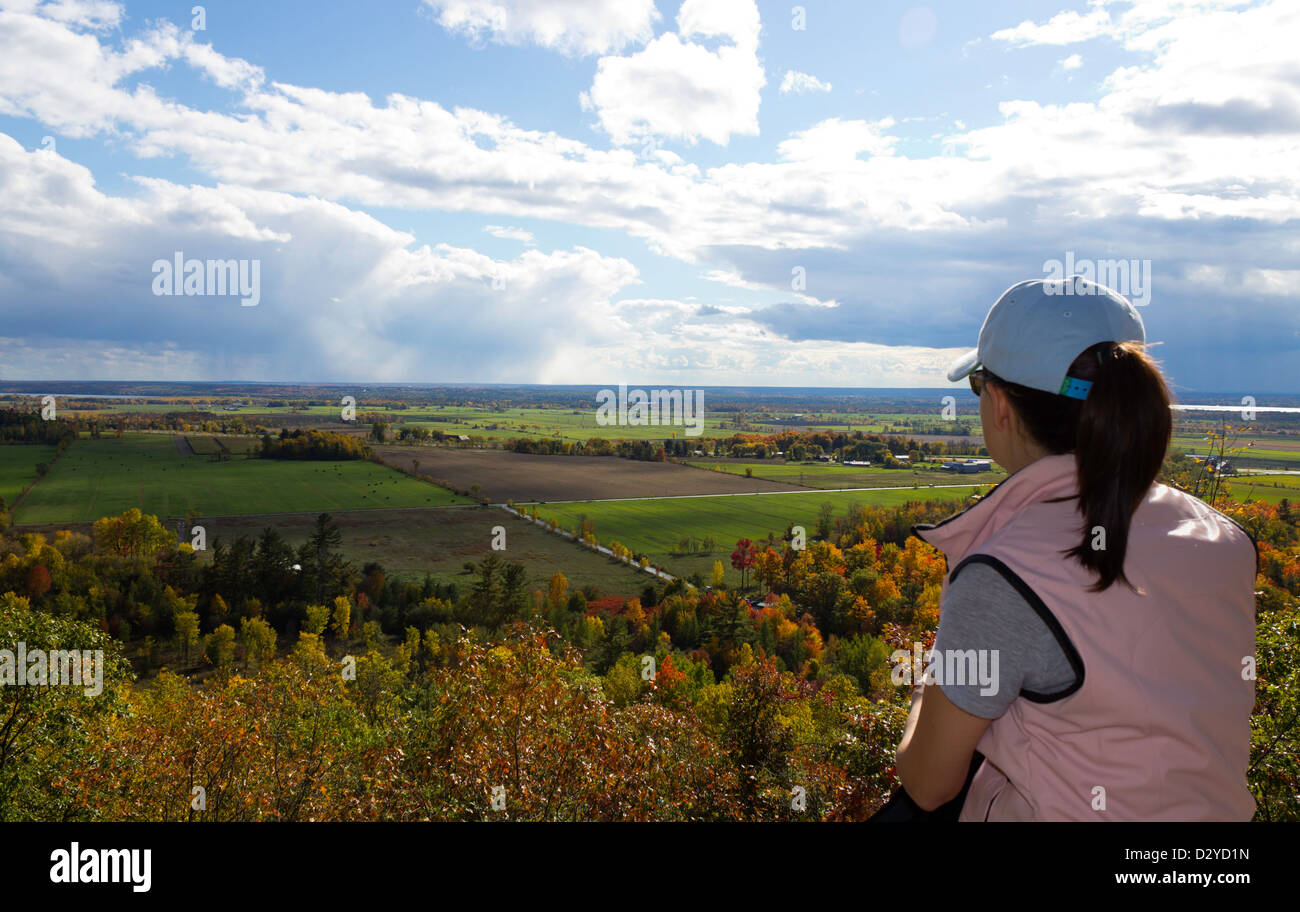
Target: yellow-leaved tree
x,y
133,534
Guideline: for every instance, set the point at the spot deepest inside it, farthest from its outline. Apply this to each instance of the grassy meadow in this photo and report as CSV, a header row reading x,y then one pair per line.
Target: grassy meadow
x,y
105,476
1268,488
18,467
654,526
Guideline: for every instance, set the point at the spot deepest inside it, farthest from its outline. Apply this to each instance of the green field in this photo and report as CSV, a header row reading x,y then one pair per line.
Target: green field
x,y
105,476
654,526
1247,451
18,468
574,425
562,423
830,476
902,424
204,445
1268,488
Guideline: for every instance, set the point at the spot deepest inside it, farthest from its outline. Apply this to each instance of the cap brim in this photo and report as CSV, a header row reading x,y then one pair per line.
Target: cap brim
x,y
963,366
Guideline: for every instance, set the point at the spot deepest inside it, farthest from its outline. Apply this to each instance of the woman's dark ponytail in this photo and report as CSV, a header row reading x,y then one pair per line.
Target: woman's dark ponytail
x,y
1119,436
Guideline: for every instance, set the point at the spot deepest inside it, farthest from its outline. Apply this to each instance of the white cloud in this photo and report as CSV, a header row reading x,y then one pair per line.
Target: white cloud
x,y
679,89
377,308
1073,62
1272,283
510,233
797,82
675,343
1131,152
1136,19
92,14
836,140
736,20
569,26
1159,148
734,279
1067,27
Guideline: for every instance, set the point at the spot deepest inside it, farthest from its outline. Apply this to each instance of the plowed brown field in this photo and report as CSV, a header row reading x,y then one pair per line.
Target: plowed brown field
x,y
503,475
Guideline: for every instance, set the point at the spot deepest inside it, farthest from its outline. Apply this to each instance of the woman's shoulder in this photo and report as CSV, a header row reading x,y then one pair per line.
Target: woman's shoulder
x,y
1169,507
987,608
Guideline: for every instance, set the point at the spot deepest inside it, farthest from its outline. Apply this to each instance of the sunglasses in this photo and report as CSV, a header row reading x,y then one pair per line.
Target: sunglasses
x,y
978,379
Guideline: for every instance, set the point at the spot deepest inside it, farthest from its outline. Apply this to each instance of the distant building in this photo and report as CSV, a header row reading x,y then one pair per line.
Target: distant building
x,y
856,462
969,466
902,457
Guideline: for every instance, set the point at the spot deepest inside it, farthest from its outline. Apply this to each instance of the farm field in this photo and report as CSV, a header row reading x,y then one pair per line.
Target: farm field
x,y
520,477
823,475
105,476
1268,488
410,543
18,467
903,424
573,424
655,526
206,445
1247,450
564,424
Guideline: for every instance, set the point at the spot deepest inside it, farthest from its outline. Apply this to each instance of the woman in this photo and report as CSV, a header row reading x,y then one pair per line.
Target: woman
x,y
1119,613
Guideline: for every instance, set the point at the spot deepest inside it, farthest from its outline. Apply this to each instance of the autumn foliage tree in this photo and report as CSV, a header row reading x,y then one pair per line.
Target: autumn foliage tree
x,y
742,559
132,534
38,581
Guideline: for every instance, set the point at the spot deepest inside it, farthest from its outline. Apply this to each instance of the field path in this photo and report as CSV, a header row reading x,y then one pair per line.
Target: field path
x,y
600,549
183,445
13,507
94,495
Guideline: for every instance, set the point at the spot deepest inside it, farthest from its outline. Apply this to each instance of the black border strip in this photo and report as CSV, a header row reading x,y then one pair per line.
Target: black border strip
x,y
1041,609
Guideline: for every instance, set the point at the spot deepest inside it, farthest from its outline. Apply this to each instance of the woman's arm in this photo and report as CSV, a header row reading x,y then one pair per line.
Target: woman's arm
x,y
934,756
984,613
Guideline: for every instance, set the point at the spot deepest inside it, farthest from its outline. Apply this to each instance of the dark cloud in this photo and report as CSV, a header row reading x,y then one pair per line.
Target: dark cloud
x,y
1236,117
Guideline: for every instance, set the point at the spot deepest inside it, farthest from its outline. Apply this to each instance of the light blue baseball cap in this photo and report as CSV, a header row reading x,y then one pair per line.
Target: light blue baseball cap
x,y
1036,329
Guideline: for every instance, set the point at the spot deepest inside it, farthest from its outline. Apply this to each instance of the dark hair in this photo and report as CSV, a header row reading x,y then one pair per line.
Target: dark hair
x,y
1119,436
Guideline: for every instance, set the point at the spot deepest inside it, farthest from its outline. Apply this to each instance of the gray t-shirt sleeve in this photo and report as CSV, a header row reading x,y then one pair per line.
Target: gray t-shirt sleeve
x,y
1014,648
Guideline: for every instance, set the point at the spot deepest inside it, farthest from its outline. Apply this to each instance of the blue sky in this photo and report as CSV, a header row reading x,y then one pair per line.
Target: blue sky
x,y
601,191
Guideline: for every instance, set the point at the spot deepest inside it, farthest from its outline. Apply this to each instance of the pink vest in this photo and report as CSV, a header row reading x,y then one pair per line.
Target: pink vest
x,y
1158,726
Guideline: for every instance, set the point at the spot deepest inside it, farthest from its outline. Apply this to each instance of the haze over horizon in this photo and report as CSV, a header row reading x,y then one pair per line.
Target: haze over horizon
x,y
1267,400
697,194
